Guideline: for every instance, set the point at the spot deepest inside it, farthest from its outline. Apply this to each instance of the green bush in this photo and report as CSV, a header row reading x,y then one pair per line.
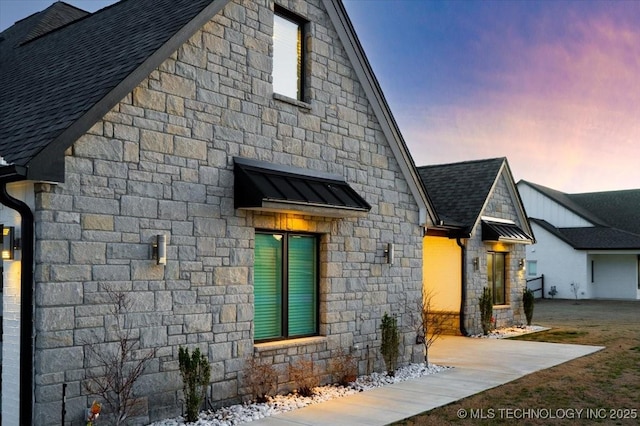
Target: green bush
x,y
390,343
486,310
528,301
195,371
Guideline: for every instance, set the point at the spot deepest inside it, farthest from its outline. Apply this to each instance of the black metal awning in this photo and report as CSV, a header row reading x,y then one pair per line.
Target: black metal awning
x,y
505,232
269,187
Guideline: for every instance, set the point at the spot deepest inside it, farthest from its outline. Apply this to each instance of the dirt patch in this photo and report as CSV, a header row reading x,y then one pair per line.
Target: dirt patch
x,y
602,388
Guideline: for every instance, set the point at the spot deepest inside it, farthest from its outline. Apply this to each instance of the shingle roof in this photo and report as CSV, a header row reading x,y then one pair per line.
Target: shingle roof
x,y
619,209
593,238
459,190
53,80
613,209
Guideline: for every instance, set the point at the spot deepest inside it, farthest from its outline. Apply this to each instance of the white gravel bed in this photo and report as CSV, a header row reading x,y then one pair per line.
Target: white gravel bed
x,y
244,413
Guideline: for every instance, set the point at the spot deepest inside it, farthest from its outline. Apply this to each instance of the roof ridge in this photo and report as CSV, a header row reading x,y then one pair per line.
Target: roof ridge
x,y
483,160
29,38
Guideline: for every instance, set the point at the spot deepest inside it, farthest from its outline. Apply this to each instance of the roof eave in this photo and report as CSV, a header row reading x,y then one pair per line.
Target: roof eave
x,y
12,172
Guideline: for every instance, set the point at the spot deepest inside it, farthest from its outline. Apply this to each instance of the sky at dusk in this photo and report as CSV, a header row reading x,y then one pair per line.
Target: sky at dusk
x,y
554,86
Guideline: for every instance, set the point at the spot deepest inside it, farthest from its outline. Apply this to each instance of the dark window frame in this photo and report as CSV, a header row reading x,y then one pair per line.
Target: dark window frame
x,y
303,30
285,285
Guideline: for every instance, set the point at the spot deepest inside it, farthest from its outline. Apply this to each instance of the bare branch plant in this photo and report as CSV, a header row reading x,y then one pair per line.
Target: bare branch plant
x,y
120,363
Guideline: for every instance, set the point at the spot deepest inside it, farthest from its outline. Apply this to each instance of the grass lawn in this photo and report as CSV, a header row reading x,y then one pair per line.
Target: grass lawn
x,y
605,385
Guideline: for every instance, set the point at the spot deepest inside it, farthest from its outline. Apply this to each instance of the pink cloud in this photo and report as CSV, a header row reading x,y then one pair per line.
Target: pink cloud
x,y
564,111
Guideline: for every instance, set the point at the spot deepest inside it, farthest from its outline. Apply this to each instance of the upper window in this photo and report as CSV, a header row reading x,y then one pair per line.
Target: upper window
x,y
496,276
285,285
288,55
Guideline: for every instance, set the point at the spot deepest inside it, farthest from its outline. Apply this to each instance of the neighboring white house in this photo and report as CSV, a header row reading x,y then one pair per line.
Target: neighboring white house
x,y
587,245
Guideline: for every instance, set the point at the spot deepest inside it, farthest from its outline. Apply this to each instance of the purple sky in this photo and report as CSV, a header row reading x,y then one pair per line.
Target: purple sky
x,y
554,86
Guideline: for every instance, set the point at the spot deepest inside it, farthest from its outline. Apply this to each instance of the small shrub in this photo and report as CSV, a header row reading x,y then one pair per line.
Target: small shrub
x,y
486,310
553,291
302,374
575,289
261,378
195,371
528,301
390,342
343,368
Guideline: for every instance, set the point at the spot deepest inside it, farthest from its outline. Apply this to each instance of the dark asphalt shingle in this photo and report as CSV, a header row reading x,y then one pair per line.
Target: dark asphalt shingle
x,y
614,214
459,190
49,82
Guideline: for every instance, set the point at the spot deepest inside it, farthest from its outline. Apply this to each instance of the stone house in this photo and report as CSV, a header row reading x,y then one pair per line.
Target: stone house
x,y
588,244
479,242
231,167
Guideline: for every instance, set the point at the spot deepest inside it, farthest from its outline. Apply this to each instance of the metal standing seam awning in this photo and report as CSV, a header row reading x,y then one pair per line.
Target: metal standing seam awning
x,y
263,186
504,231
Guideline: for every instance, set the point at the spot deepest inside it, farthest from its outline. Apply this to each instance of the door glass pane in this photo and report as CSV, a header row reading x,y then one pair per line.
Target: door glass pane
x,y
268,286
490,273
287,42
498,294
302,285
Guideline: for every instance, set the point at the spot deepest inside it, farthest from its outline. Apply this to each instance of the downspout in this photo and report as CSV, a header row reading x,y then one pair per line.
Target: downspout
x,y
26,300
463,282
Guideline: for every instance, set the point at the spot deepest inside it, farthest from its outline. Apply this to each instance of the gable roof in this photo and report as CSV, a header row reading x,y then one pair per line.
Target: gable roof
x,y
57,85
62,82
613,209
371,87
459,191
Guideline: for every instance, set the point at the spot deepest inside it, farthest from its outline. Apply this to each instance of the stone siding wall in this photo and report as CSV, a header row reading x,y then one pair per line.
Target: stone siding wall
x,y
161,162
500,205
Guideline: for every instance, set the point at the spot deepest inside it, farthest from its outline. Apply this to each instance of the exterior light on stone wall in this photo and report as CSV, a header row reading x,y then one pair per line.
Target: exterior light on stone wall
x,y
159,249
521,263
476,263
389,253
9,243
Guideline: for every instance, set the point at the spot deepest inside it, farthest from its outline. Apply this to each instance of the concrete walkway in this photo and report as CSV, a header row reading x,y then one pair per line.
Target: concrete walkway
x,y
480,364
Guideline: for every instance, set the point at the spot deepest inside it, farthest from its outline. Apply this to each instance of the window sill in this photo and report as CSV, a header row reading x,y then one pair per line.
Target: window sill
x,y
500,307
284,344
292,101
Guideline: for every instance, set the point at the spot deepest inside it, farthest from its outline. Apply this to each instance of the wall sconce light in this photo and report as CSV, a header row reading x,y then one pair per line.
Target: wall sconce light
x,y
521,263
476,263
9,243
159,249
389,253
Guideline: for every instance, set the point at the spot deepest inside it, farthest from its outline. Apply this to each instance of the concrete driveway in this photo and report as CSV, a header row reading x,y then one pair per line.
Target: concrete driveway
x,y
480,364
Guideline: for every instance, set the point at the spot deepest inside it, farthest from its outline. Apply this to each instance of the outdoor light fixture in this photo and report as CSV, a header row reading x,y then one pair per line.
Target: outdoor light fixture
x,y
389,252
476,263
159,249
521,263
9,243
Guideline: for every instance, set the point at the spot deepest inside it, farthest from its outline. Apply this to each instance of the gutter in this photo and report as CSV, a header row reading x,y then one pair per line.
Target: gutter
x,y
463,283
26,295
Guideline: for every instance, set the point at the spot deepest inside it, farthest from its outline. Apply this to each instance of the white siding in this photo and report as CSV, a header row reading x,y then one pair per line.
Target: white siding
x,y
560,264
539,206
